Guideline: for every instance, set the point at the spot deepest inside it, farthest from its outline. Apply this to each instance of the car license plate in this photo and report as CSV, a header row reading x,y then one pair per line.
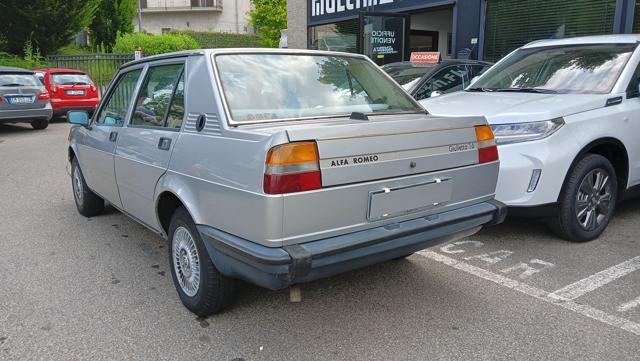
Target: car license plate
x,y
75,92
20,100
398,201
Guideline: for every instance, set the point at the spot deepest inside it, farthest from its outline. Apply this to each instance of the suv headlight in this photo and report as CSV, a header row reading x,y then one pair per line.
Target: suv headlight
x,y
524,132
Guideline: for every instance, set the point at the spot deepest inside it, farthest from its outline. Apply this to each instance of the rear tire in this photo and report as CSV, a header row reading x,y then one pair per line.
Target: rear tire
x,y
88,203
588,200
201,287
40,124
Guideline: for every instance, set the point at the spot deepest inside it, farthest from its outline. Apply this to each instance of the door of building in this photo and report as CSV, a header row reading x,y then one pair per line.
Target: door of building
x,y
385,37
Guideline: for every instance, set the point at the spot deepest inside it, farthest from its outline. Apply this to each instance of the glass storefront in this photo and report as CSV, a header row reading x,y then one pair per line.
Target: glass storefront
x,y
513,23
340,36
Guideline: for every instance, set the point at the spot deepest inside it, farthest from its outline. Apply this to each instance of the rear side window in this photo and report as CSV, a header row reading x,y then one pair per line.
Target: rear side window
x,y
115,109
70,79
17,80
152,103
176,110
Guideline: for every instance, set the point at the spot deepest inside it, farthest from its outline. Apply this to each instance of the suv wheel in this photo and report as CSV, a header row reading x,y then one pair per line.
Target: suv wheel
x,y
201,287
88,203
40,124
588,200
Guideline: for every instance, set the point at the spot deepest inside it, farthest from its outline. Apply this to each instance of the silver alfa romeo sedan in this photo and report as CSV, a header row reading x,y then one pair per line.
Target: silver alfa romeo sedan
x,y
278,167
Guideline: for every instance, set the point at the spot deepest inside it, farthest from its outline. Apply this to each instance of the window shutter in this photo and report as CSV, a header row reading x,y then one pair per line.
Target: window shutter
x,y
513,23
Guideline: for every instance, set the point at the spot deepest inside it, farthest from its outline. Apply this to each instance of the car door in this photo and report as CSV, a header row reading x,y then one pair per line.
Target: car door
x,y
145,144
97,149
447,80
632,109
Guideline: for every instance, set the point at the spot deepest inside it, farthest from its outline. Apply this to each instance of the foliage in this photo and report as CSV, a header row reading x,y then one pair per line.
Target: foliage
x,y
31,60
154,44
113,17
208,40
76,50
269,17
49,24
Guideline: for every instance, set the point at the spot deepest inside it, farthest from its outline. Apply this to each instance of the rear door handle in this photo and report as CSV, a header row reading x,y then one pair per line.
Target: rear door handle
x,y
164,143
113,136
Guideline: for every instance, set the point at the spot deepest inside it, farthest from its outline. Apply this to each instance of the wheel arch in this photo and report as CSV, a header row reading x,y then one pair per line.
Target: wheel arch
x,y
612,149
171,194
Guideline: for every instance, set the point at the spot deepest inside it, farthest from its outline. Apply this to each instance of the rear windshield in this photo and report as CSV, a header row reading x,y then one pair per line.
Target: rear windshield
x,y
263,87
9,80
409,76
70,79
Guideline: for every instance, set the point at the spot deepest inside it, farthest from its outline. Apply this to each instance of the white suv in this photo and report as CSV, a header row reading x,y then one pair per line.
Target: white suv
x,y
566,115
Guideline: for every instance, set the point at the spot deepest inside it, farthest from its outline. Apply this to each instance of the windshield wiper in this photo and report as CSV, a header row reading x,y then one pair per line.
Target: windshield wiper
x,y
13,84
527,90
481,90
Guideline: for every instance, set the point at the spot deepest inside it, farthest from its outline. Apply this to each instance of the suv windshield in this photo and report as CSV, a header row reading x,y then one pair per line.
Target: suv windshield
x,y
591,69
70,79
10,80
263,87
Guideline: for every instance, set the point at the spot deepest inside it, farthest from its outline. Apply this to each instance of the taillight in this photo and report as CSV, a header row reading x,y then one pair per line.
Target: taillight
x,y
44,95
292,167
93,88
487,148
54,89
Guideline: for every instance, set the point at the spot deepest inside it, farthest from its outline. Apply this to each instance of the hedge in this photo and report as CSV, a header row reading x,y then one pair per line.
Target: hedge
x,y
18,62
154,44
223,40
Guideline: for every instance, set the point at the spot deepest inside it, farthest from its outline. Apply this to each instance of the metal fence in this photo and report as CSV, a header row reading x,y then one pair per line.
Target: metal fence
x,y
100,67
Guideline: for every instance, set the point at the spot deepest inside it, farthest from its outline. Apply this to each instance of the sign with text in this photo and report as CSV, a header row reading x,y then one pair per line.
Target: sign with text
x,y
325,11
384,36
425,57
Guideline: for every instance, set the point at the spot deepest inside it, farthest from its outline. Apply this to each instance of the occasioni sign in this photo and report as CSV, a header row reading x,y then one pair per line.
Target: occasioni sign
x,y
326,11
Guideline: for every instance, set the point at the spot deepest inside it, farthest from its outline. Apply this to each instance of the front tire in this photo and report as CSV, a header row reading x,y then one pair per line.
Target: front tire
x,y
40,124
201,287
88,203
588,200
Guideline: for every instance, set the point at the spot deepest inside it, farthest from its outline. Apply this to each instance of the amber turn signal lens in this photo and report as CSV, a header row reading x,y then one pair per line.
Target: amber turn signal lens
x,y
483,133
292,153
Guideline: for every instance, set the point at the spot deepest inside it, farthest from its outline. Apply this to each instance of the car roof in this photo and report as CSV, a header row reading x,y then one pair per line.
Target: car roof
x,y
584,40
60,70
185,53
10,69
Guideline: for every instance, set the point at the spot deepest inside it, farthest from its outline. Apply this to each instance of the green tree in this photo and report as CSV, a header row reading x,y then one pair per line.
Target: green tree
x,y
112,18
48,24
269,17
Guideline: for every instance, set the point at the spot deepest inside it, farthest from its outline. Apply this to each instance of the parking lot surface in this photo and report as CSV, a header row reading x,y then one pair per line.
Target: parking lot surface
x,y
73,288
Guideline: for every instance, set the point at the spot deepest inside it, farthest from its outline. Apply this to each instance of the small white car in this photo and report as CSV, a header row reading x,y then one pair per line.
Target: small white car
x,y
566,116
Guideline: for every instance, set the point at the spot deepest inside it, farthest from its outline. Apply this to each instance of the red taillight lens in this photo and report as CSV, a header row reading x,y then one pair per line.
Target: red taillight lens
x,y
292,167
44,95
487,149
54,89
93,88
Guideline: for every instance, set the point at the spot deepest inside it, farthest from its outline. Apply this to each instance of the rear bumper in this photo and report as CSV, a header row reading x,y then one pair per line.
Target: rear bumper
x,y
277,268
61,107
25,115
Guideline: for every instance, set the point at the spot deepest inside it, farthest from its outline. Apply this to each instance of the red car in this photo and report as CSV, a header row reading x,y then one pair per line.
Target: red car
x,y
70,90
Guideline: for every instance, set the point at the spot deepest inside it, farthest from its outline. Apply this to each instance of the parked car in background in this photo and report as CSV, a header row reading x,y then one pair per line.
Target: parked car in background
x,y
70,89
566,116
423,79
23,99
279,167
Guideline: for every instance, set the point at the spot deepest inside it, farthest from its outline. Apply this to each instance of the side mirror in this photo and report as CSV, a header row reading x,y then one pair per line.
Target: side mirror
x,y
473,80
435,93
78,117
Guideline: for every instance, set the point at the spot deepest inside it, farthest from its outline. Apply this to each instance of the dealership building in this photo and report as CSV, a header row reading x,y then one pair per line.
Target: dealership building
x,y
389,30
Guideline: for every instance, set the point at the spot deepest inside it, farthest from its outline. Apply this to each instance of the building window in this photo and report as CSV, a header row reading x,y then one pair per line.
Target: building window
x,y
513,23
636,19
341,36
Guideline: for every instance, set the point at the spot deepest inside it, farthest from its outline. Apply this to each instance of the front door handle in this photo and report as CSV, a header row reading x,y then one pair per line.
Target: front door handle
x,y
113,136
164,143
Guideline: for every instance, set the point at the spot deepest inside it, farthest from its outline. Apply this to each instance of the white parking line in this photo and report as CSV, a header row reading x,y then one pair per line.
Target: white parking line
x,y
537,293
629,305
595,281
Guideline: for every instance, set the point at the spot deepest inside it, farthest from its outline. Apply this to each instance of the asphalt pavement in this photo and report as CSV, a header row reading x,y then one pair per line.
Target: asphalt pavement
x,y
75,288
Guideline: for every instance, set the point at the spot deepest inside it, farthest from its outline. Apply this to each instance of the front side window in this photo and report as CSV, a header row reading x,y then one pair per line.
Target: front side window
x,y
114,111
155,95
408,76
587,69
264,87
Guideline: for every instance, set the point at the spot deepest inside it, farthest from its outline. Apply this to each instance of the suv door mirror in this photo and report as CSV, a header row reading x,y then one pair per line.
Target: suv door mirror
x,y
435,93
473,80
78,117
